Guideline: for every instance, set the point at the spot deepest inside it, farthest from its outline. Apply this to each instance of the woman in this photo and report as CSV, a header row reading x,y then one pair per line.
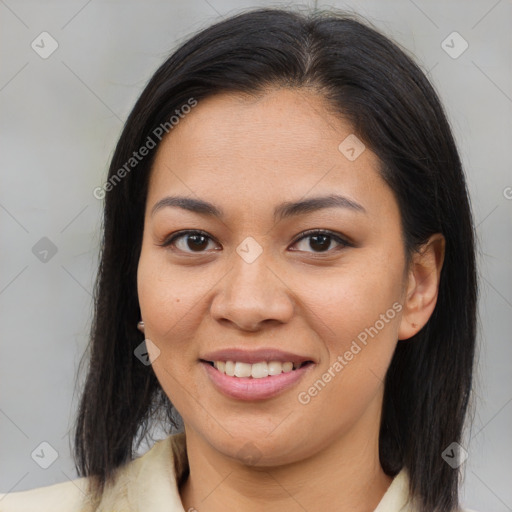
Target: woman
x,y
288,275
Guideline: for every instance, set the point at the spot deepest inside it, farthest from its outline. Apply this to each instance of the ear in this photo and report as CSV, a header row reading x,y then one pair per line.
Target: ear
x,y
422,286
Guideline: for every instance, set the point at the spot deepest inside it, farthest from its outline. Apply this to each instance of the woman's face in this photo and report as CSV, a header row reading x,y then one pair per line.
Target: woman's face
x,y
249,280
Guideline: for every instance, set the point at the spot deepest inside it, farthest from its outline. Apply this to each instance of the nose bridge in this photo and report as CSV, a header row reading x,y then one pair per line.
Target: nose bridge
x,y
251,293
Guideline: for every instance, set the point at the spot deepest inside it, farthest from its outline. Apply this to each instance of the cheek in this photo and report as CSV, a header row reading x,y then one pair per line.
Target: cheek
x,y
166,292
358,326
168,304
357,317
352,300
167,301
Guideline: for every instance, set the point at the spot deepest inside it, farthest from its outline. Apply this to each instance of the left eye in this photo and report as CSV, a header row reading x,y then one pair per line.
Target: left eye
x,y
197,241
320,240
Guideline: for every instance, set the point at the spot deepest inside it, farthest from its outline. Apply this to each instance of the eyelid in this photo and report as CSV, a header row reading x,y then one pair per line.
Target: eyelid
x,y
319,231
178,234
341,240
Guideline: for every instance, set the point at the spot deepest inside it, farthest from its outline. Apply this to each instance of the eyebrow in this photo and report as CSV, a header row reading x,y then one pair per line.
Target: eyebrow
x,y
282,211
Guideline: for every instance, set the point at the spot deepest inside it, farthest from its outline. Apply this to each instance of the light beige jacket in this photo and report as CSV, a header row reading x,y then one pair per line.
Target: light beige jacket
x,y
149,483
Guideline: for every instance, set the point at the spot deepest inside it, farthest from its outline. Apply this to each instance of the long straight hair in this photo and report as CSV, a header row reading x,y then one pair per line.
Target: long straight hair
x,y
371,82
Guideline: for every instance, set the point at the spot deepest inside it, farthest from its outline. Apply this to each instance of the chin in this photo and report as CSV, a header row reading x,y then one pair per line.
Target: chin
x,y
260,450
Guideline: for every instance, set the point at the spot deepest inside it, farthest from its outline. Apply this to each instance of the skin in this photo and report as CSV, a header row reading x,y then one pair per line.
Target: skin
x,y
246,155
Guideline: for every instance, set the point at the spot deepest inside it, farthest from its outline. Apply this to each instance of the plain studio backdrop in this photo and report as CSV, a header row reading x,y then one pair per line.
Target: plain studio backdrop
x,y
71,72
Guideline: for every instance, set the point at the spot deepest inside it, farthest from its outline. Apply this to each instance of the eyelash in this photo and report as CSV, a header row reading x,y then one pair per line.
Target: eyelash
x,y
304,234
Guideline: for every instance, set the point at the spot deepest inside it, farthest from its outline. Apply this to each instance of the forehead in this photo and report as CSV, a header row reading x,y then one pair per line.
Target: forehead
x,y
282,144
277,127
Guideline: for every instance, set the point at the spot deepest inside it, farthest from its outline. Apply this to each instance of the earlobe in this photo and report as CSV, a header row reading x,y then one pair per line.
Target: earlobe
x,y
422,286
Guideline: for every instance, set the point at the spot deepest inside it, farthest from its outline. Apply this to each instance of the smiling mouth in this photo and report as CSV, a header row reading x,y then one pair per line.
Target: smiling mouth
x,y
258,370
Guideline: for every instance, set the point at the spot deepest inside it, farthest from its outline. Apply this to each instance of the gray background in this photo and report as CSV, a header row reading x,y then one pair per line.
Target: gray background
x,y
60,119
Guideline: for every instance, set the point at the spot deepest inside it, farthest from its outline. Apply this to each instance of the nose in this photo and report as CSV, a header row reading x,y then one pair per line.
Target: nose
x,y
252,294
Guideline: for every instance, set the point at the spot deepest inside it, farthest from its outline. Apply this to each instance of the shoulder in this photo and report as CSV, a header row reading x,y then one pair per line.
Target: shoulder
x,y
397,497
68,496
146,482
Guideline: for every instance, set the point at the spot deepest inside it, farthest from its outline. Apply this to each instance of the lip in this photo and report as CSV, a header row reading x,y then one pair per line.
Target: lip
x,y
255,356
247,388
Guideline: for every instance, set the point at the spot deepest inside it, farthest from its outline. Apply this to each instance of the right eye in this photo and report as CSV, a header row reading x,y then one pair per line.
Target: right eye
x,y
188,241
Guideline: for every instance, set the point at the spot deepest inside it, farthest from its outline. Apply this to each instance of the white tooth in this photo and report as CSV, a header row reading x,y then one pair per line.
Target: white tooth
x,y
275,368
256,370
287,367
242,369
230,368
259,370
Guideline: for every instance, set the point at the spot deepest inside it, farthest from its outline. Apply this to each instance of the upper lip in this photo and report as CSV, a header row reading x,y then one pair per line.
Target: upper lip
x,y
254,356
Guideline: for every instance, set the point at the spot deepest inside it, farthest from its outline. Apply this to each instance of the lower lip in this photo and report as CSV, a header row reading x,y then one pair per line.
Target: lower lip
x,y
247,388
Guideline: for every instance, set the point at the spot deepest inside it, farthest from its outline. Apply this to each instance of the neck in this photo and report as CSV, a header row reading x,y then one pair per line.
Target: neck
x,y
345,475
